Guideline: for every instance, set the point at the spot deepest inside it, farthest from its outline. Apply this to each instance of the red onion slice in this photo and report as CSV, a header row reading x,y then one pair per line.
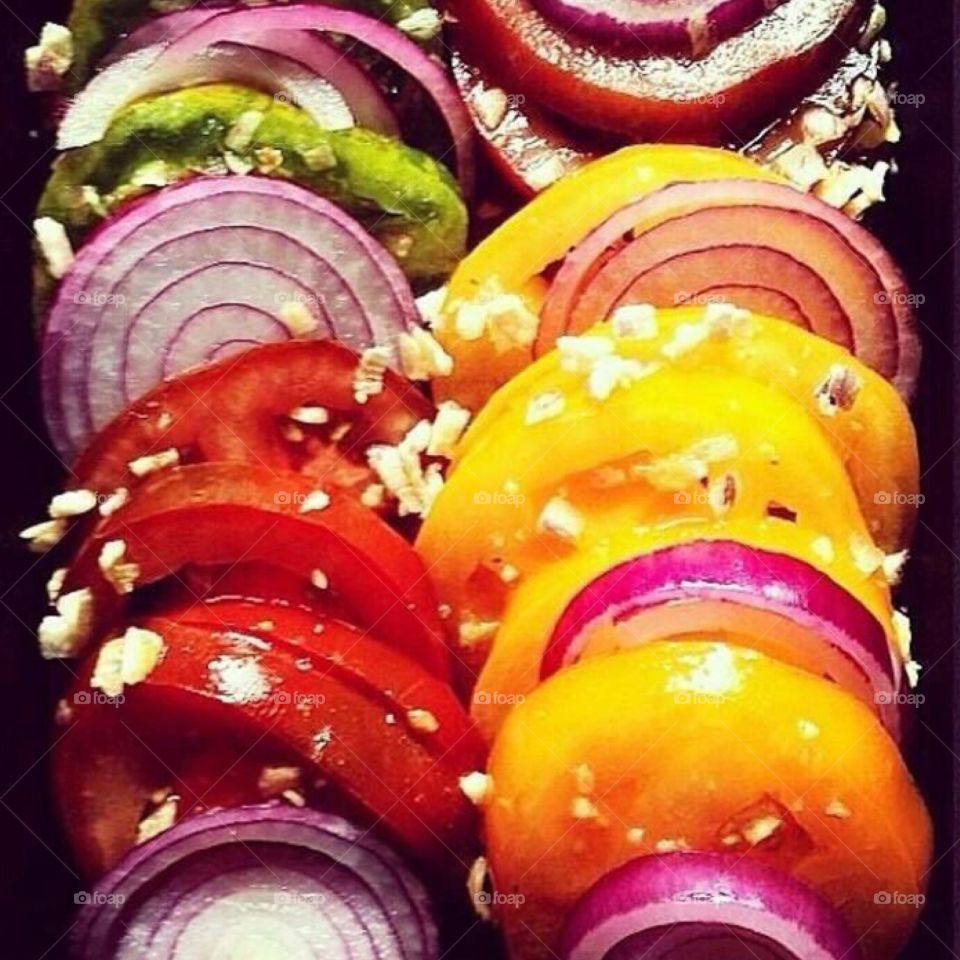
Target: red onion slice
x,y
198,271
245,25
290,882
795,612
764,246
303,67
680,28
695,906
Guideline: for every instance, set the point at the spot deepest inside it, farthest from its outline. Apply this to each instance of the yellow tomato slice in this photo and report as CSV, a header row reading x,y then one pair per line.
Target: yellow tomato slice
x,y
511,668
708,747
512,259
868,424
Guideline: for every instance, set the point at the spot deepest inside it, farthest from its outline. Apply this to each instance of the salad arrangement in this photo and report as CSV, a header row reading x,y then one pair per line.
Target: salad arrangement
x,y
551,573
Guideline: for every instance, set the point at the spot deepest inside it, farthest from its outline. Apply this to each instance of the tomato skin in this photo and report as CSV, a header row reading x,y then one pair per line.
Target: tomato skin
x,y
232,410
228,512
336,704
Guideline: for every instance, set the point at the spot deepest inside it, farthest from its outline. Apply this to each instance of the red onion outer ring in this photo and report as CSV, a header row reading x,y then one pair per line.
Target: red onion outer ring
x,y
684,29
659,907
726,572
163,887
860,301
118,323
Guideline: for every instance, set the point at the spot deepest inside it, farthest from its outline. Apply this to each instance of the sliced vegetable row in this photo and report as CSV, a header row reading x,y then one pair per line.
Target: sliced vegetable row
x,y
669,545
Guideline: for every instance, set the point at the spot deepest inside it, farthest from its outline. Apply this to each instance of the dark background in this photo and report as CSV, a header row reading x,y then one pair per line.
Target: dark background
x,y
37,883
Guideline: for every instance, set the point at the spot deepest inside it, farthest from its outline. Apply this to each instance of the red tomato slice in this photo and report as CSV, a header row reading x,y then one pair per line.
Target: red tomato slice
x,y
390,738
224,513
238,410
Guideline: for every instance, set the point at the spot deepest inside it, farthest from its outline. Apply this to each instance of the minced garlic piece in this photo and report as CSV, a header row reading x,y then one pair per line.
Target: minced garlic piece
x,y
448,426
685,338
45,535
671,845
422,357
635,320
893,566
319,580
368,377
560,518
823,550
144,466
400,470
423,24
682,470
504,318
902,634
297,318
72,503
54,245
545,406
276,781
65,633
612,371
491,106
837,809
423,720
579,354
509,573
164,817
311,416
761,829
241,134
476,887
430,306
473,632
808,729
912,669
838,390
545,172
55,583
583,808
114,502
48,61
127,660
120,573
477,787
373,495
722,493
315,501
867,557
635,836
725,319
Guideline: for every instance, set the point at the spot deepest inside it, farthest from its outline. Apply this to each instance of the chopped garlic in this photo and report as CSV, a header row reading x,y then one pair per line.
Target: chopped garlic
x,y
722,493
838,390
48,62
448,427
65,633
401,472
368,377
635,320
867,557
509,573
476,885
893,566
671,845
761,829
311,416
902,634
315,501
583,808
164,817
560,518
491,106
114,502
579,354
241,134
144,466
685,338
276,781
127,660
545,172
823,550
725,319
295,316
477,787
808,729
912,669
422,357
679,471
545,406
55,584
430,306
837,809
319,580
120,573
635,836
504,318
609,372
54,245
472,632
373,495
45,535
72,503
423,24
423,720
